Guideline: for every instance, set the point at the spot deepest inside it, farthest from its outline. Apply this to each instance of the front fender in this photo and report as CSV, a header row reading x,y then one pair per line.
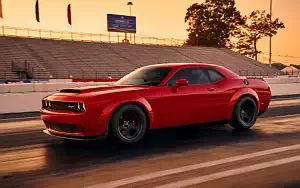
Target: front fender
x,y
238,95
113,105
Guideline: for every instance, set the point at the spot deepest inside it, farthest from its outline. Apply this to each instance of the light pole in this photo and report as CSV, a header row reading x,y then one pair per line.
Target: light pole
x,y
129,4
270,47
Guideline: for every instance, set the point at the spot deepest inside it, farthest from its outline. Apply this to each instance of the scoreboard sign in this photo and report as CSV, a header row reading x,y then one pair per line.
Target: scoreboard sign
x,y
120,23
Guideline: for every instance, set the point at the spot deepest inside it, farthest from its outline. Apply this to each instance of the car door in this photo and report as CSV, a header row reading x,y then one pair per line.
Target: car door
x,y
218,96
186,104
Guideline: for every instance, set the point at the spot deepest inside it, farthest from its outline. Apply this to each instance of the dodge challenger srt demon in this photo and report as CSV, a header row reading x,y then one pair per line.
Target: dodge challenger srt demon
x,y
156,96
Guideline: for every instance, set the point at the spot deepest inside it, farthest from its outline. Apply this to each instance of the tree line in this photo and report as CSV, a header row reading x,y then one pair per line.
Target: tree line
x,y
220,23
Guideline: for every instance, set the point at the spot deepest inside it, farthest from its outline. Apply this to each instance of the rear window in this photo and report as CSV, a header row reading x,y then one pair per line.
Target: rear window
x,y
214,75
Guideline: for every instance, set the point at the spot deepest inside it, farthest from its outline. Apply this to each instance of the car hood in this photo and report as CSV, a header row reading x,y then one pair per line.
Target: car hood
x,y
103,89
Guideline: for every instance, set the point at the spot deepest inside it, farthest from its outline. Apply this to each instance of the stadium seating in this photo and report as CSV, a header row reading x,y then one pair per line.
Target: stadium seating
x,y
67,59
13,51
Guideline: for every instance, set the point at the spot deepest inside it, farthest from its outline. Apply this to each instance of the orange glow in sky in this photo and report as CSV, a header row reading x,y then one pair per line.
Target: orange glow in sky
x,y
158,18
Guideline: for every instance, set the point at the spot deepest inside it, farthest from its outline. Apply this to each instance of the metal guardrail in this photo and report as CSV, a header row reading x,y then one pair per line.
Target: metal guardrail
x,y
88,37
116,74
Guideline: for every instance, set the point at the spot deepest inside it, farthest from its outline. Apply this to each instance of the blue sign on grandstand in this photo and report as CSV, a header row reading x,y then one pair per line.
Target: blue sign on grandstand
x,y
120,23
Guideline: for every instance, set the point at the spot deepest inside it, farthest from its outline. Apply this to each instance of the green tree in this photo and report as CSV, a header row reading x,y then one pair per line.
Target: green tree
x,y
258,25
213,22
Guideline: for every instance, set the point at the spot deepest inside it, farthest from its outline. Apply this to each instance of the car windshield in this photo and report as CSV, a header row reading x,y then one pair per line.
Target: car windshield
x,y
148,76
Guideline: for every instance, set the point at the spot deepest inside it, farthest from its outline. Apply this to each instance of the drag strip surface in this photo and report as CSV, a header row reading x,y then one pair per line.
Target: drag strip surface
x,y
30,158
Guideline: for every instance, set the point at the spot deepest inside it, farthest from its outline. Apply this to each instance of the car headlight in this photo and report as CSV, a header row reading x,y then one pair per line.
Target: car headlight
x,y
81,107
44,104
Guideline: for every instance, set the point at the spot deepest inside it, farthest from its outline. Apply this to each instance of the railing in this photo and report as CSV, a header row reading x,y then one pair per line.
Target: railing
x,y
88,37
260,73
80,74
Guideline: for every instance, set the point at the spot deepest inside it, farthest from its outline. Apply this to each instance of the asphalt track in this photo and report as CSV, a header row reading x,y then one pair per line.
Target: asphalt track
x,y
191,156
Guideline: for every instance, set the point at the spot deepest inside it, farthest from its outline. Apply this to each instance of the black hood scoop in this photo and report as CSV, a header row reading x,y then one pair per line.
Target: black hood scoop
x,y
70,91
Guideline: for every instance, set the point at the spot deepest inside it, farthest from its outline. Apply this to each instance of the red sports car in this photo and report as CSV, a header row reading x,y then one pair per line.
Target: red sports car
x,y
152,97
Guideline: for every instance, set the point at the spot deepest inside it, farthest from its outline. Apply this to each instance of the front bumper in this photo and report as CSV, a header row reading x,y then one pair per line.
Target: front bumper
x,y
87,125
51,133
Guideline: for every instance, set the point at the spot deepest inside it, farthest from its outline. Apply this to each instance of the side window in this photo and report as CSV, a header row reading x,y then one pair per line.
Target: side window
x,y
194,76
214,75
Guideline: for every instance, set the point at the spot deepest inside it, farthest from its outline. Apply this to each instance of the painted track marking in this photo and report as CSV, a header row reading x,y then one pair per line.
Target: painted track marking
x,y
237,171
157,174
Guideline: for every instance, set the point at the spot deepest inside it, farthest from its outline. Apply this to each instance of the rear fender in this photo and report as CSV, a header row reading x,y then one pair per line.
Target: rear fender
x,y
238,95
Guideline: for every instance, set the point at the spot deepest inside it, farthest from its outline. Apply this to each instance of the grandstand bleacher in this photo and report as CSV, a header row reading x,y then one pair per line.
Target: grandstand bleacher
x,y
75,59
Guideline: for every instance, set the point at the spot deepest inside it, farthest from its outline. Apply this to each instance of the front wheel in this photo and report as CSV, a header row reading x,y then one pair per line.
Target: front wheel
x,y
128,124
245,114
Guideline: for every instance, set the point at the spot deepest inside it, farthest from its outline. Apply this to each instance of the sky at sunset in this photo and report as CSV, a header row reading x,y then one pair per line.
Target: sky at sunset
x,y
158,18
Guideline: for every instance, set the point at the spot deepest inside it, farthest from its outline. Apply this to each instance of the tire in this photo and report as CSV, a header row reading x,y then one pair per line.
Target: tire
x,y
245,114
128,124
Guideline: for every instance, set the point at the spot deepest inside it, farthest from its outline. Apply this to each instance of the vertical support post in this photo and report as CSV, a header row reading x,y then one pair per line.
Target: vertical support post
x,y
270,47
130,4
3,27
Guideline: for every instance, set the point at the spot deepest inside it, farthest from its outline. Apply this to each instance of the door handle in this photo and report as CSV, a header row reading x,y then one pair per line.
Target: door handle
x,y
211,89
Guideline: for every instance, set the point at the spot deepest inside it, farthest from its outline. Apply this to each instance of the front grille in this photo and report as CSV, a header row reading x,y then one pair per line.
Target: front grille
x,y
64,127
58,105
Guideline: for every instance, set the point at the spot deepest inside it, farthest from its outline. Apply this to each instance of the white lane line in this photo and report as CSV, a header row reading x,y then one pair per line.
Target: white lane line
x,y
237,171
157,174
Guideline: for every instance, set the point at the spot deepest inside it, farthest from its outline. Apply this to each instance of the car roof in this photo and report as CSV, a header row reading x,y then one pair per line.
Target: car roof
x,y
181,65
225,72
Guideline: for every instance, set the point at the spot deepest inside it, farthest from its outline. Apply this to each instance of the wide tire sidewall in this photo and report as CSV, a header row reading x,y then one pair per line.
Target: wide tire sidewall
x,y
114,123
236,121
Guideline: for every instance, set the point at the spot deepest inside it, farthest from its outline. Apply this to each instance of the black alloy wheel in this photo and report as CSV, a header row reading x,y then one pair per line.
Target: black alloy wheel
x,y
128,124
245,114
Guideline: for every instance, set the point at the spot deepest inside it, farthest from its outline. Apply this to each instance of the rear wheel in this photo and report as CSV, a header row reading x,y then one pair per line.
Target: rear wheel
x,y
128,124
245,114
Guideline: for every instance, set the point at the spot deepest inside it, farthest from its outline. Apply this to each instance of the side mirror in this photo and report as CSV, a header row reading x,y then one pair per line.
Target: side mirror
x,y
182,82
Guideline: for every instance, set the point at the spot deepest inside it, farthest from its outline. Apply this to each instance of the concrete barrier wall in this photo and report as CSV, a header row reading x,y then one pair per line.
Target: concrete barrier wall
x,y
56,85
31,101
285,89
44,87
19,102
283,80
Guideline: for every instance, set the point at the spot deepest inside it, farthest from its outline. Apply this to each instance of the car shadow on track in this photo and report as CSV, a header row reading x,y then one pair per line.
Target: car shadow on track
x,y
69,154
